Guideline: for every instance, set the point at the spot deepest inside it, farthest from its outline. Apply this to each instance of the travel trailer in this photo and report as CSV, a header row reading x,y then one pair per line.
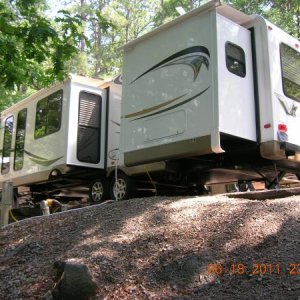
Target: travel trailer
x,y
61,130
210,97
215,94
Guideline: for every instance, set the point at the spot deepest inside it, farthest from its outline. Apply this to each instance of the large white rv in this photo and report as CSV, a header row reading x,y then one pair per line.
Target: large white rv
x,y
210,91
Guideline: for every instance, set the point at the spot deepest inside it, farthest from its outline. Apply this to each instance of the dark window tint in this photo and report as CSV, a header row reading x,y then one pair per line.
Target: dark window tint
x,y
7,140
48,115
290,66
20,140
235,60
89,123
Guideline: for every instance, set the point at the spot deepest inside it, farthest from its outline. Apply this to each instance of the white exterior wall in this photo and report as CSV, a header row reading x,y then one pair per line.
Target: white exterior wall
x,y
50,147
276,36
59,149
114,125
236,94
271,95
71,150
196,118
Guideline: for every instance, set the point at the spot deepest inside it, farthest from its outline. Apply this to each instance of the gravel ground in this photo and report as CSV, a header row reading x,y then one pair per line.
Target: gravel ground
x,y
209,247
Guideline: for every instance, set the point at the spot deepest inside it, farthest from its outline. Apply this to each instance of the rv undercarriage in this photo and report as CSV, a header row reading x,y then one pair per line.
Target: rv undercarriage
x,y
187,176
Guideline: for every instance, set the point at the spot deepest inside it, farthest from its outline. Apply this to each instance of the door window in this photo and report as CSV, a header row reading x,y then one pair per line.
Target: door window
x,y
7,141
235,59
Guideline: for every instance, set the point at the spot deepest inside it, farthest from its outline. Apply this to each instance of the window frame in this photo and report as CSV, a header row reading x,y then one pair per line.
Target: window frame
x,y
6,170
47,114
16,137
243,63
282,77
81,126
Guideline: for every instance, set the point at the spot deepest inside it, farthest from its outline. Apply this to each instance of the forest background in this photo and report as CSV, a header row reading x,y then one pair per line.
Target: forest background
x,y
42,41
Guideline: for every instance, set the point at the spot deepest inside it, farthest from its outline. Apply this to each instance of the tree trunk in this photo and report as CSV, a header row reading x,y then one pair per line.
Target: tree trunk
x,y
83,16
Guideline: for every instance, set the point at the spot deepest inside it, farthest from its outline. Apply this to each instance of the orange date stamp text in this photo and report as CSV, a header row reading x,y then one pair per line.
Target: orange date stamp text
x,y
253,269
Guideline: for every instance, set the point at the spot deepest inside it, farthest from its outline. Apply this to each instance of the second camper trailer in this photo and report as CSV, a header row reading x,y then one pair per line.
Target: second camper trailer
x,y
213,89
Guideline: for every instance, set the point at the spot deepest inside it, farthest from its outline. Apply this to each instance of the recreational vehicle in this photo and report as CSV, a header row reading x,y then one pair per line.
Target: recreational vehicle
x,y
209,97
215,94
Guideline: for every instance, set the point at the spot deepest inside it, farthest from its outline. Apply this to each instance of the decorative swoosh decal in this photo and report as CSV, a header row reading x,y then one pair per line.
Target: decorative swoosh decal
x,y
193,57
116,123
41,160
289,109
150,109
174,106
182,57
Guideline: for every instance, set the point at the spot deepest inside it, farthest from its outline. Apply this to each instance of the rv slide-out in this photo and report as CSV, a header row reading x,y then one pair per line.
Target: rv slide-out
x,y
212,78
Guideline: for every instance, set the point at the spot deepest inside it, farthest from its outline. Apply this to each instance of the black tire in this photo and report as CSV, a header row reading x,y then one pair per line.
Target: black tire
x,y
98,190
126,187
245,186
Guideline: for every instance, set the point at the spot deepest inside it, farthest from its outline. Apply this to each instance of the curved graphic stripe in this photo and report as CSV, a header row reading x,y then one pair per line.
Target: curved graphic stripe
x,y
41,160
116,123
150,109
174,106
194,61
45,163
190,50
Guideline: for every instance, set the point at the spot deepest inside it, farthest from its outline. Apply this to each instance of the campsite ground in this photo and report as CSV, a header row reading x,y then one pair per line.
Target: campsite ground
x,y
162,248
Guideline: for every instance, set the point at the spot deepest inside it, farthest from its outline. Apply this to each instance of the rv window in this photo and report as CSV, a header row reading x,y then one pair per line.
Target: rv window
x,y
7,140
89,121
20,140
235,59
290,65
48,115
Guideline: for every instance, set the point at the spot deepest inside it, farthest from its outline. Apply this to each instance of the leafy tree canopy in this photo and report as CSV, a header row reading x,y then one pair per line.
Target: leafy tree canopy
x,y
32,48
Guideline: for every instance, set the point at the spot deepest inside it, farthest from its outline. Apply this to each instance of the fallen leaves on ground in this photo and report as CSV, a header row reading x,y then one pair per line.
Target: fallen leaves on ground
x,y
161,248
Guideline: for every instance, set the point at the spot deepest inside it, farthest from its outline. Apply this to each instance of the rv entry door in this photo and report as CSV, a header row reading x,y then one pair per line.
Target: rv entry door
x,y
235,80
86,142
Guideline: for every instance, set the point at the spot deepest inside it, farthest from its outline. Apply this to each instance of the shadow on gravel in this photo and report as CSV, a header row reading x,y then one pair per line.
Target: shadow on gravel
x,y
158,258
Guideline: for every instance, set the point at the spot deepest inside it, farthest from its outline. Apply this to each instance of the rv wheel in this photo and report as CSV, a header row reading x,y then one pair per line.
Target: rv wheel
x,y
125,187
98,190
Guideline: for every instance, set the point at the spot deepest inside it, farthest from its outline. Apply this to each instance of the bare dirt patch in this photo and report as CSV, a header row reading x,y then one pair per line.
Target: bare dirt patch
x,y
160,248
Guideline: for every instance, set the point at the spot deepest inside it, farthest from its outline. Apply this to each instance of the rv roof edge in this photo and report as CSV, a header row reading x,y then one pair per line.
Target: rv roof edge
x,y
233,14
87,80
203,8
72,77
31,97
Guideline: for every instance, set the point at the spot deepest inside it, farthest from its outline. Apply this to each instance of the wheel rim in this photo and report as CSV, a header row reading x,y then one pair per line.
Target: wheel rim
x,y
121,189
97,191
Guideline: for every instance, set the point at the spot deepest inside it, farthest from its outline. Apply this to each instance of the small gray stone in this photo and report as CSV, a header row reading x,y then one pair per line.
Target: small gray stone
x,y
76,282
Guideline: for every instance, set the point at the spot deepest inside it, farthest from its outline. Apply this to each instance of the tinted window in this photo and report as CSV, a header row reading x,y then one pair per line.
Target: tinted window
x,y
89,123
20,140
48,115
7,140
290,66
235,59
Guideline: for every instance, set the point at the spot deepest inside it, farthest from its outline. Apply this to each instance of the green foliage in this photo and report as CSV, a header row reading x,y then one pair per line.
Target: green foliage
x,y
109,24
284,14
167,9
32,51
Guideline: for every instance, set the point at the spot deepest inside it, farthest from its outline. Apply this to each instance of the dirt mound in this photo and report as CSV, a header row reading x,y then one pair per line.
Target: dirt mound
x,y
161,248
